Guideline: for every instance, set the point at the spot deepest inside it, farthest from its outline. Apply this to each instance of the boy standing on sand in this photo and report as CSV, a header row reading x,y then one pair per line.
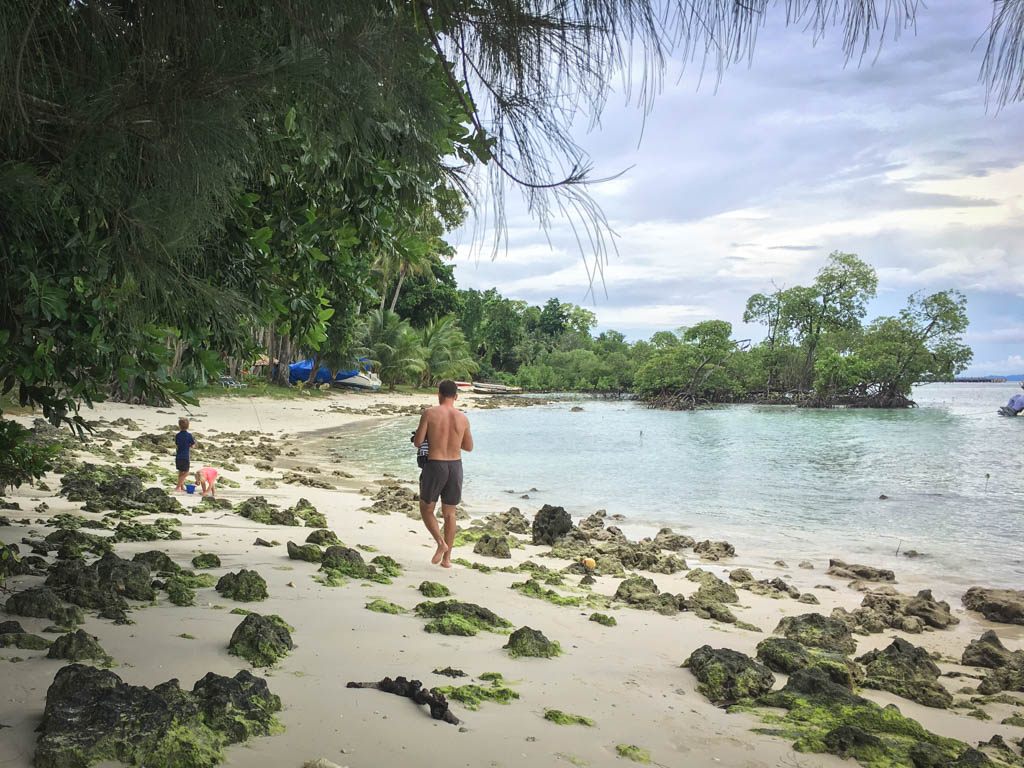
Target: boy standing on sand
x,y
446,429
183,442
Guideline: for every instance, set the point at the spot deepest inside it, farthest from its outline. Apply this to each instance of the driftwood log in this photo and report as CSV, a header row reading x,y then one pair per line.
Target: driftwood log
x,y
413,689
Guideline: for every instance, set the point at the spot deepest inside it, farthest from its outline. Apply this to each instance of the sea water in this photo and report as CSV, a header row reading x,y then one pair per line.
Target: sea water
x,y
794,483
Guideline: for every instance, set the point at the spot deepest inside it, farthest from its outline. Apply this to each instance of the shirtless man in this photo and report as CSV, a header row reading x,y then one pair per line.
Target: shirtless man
x,y
446,430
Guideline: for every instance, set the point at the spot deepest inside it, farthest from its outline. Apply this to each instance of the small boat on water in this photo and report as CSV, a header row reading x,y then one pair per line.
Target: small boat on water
x,y
484,388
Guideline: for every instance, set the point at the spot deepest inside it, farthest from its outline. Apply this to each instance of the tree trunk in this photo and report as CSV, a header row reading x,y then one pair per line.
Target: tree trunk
x,y
398,288
315,370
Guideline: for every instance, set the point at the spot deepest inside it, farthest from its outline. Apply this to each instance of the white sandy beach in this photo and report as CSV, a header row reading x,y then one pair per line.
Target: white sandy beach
x,y
626,678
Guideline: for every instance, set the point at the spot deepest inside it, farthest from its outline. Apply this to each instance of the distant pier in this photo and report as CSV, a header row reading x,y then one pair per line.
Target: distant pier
x,y
980,380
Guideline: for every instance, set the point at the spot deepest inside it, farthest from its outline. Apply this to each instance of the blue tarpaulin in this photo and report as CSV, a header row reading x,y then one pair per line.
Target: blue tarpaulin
x,y
300,372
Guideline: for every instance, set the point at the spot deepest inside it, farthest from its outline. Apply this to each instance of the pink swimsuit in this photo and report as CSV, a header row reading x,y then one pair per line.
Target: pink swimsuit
x,y
209,474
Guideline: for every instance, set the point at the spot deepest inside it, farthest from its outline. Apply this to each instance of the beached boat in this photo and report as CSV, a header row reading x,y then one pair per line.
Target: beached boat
x,y
464,386
358,380
484,388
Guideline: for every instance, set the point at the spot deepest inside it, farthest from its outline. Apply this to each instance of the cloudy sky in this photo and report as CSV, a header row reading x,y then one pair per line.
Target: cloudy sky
x,y
734,190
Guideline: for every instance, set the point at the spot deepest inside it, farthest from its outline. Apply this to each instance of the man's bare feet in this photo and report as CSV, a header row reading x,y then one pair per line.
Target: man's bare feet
x,y
447,561
442,552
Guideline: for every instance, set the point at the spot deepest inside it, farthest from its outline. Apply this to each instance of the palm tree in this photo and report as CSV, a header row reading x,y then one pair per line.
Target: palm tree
x,y
392,346
446,353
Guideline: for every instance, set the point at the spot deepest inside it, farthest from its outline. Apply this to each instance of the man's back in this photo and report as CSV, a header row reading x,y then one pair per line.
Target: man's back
x,y
446,432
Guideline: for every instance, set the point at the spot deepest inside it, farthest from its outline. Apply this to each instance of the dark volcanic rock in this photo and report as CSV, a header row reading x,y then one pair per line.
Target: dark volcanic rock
x,y
413,689
158,562
816,631
512,521
492,546
244,586
323,537
23,641
987,651
728,676
9,627
43,603
1005,606
786,656
550,524
908,671
714,550
78,646
861,572
91,715
261,640
311,553
103,585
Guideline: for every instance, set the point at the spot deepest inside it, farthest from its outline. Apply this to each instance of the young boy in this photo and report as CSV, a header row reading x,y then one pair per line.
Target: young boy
x,y
182,456
206,478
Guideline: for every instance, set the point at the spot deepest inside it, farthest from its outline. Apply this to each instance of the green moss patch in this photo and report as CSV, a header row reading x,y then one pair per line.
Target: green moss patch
x,y
633,752
433,589
473,695
452,617
531,642
559,717
206,560
383,606
603,619
78,646
244,586
261,640
344,562
727,676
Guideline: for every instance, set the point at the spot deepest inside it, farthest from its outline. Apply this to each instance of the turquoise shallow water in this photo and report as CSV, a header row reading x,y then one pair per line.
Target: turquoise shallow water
x,y
791,482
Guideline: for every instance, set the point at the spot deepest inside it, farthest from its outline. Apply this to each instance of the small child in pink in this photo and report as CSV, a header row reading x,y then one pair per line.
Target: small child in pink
x,y
207,479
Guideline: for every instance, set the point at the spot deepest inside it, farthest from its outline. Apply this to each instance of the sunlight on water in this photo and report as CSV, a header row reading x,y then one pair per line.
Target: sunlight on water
x,y
797,482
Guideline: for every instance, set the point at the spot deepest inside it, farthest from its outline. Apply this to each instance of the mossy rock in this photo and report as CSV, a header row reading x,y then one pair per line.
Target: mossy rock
x,y
490,545
244,586
472,695
179,592
786,656
206,560
259,510
456,617
712,589
387,565
816,631
23,640
558,717
158,562
532,588
78,646
310,553
641,592
531,642
261,640
323,537
433,589
906,670
383,606
43,603
726,676
339,562
92,716
604,619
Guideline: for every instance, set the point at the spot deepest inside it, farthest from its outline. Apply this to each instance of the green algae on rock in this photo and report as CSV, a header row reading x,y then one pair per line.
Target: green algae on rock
x,y
825,717
383,606
433,589
311,553
601,618
259,510
158,562
816,631
304,510
472,695
340,562
786,656
908,671
558,717
531,642
261,640
532,588
24,641
387,565
490,545
92,716
244,586
726,676
634,753
179,592
456,617
206,560
43,603
323,537
641,592
78,646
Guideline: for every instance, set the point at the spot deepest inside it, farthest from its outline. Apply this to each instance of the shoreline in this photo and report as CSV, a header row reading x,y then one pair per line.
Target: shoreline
x,y
627,678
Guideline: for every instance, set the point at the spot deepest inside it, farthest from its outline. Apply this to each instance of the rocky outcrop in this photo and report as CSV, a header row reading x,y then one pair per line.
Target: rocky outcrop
x,y
206,560
1004,606
310,553
714,550
43,603
641,592
712,589
858,572
726,676
78,646
323,537
433,589
512,521
490,545
158,562
453,617
816,631
908,671
259,510
787,656
104,584
885,608
550,524
91,716
1006,666
674,542
244,586
261,640
531,642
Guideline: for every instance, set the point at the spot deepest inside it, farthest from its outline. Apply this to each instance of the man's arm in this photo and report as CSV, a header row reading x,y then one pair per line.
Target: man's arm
x,y
467,438
421,431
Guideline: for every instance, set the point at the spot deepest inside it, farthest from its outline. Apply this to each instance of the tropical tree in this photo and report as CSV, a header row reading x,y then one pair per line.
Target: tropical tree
x,y
446,354
392,346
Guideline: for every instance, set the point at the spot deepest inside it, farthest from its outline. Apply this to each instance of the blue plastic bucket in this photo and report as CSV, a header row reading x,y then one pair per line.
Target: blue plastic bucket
x,y
190,488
